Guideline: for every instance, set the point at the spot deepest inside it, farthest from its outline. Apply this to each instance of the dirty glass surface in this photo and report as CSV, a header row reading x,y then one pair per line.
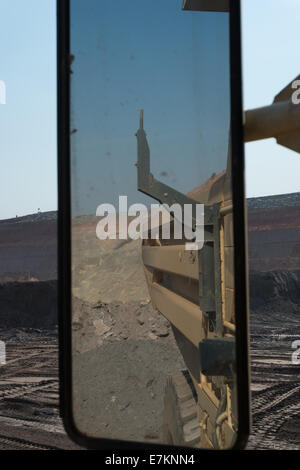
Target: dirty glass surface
x,y
153,314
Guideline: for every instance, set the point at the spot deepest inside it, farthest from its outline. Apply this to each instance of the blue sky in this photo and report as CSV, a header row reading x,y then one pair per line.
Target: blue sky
x,y
170,65
28,119
270,61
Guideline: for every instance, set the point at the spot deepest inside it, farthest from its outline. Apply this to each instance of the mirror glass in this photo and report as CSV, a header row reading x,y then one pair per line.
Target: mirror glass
x,y
153,317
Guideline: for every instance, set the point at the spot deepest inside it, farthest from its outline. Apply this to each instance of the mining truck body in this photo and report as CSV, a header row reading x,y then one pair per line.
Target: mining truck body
x,y
194,290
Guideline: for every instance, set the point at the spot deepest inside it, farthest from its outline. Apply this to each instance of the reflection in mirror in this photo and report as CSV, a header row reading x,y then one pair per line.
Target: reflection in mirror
x,y
153,318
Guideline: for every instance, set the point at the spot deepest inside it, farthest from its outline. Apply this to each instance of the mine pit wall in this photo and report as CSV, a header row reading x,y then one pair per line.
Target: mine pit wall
x,y
28,249
274,239
281,288
274,249
274,253
34,304
28,305
274,233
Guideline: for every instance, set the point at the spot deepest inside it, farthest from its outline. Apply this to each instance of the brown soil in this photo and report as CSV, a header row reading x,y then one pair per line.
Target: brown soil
x,y
102,323
118,335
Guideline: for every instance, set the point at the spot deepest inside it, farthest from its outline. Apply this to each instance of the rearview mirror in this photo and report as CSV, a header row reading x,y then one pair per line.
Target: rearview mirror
x,y
154,346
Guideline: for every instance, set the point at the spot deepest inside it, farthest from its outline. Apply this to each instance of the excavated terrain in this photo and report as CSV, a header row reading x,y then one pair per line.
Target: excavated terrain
x,y
118,333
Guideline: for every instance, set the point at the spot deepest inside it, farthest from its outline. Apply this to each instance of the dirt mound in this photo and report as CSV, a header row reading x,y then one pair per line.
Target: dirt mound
x,y
105,269
28,304
123,397
277,200
122,354
34,305
101,323
275,289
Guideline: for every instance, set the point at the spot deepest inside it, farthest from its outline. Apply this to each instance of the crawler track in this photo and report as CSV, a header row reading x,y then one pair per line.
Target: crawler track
x,y
275,394
272,408
29,416
12,443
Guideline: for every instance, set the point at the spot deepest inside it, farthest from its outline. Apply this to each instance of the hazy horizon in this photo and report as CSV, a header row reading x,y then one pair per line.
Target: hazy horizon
x,y
28,119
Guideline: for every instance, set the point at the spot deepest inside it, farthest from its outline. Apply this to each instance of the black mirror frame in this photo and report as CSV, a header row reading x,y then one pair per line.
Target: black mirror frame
x,y
64,241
